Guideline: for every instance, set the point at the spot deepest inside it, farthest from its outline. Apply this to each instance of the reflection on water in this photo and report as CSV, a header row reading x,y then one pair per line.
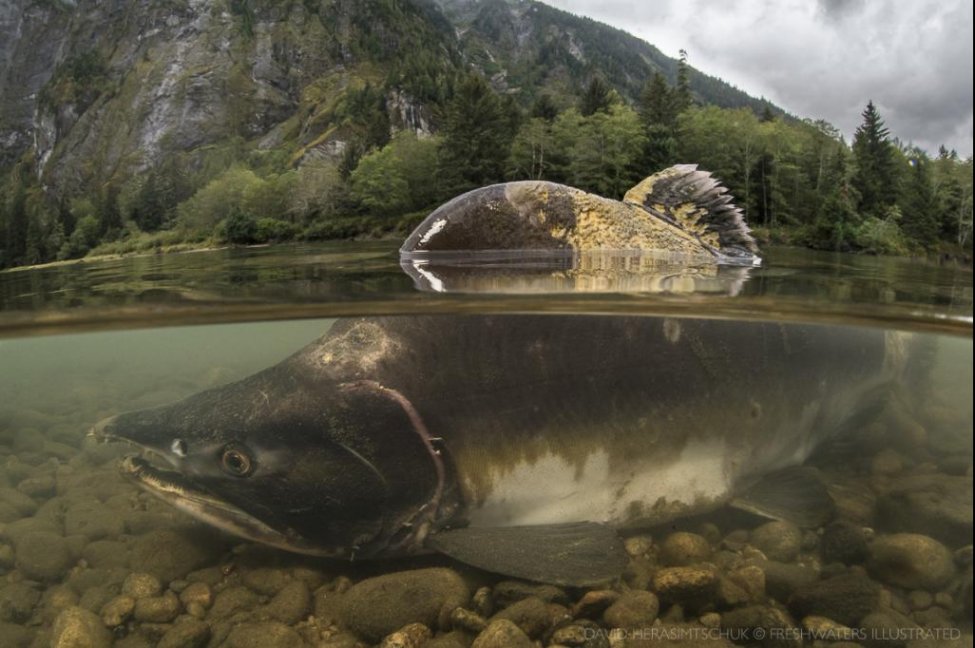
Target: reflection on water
x,y
283,282
86,558
588,272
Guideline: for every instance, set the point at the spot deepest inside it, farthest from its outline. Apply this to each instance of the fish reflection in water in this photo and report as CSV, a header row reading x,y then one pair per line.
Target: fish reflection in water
x,y
591,271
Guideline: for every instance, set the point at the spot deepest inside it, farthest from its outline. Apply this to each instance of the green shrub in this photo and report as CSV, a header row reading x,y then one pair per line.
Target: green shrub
x,y
881,236
272,229
408,222
240,227
398,177
341,227
218,200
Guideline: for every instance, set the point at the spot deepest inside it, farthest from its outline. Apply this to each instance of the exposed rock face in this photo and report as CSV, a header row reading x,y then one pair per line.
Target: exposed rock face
x,y
91,89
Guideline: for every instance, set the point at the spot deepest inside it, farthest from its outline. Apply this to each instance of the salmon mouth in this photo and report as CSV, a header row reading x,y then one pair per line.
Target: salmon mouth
x,y
176,489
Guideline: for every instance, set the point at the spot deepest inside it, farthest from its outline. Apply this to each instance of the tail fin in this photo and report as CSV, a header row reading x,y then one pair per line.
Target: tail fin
x,y
696,202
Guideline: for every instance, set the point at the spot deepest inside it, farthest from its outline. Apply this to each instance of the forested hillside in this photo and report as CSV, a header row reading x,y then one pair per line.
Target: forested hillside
x,y
138,125
529,49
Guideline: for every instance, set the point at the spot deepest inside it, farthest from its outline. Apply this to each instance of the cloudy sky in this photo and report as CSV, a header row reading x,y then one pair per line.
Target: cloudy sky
x,y
824,58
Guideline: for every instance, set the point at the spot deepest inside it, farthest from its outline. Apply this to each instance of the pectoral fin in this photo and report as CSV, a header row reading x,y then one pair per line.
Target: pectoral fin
x,y
576,554
795,495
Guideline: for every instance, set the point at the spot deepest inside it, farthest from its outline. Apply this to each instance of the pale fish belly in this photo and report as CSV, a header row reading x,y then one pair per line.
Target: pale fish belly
x,y
551,490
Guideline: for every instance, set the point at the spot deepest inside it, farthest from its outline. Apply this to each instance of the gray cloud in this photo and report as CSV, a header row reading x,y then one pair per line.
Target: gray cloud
x,y
837,9
824,60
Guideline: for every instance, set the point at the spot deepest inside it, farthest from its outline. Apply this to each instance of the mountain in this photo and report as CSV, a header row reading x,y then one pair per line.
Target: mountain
x,y
92,91
527,47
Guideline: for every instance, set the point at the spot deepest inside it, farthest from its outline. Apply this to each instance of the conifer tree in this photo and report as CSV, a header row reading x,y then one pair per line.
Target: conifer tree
x,y
658,114
544,108
835,225
875,176
762,210
682,92
109,216
657,102
476,138
596,98
16,224
919,204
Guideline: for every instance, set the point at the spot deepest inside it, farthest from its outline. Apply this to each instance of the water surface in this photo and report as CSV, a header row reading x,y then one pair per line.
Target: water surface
x,y
328,280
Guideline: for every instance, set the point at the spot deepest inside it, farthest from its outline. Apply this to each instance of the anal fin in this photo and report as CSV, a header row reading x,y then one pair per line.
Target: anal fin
x,y
575,554
796,495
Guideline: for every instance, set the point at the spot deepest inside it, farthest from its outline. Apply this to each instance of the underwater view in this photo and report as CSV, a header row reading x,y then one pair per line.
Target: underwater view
x,y
486,324
314,446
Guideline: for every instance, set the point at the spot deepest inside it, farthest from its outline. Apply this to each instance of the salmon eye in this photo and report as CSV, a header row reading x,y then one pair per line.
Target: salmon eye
x,y
236,461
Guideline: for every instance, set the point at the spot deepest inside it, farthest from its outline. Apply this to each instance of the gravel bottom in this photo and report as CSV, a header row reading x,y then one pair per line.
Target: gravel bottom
x,y
87,560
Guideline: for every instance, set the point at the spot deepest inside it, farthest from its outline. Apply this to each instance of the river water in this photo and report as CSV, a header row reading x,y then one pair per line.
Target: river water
x,y
562,375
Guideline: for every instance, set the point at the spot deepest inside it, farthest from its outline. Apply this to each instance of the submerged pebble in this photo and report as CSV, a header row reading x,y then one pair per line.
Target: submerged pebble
x,y
140,585
376,607
106,553
54,601
502,633
266,580
844,542
290,604
887,628
169,554
43,555
782,579
187,633
530,614
847,598
762,624
17,601
633,609
117,610
639,545
507,592
682,548
17,636
76,627
911,561
157,609
232,600
824,629
685,585
593,603
414,635
263,635
779,541
464,619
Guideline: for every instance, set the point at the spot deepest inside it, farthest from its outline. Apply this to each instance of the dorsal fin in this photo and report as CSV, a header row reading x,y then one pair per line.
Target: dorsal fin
x,y
696,202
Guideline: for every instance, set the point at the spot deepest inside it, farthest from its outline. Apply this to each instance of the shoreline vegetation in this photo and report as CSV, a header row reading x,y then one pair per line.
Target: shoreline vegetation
x,y
96,257
798,182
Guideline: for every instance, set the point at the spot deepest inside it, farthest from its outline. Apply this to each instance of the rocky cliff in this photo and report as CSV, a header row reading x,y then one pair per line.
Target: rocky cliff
x,y
92,90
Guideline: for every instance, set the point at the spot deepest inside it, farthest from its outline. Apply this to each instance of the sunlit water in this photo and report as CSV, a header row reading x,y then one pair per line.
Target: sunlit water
x,y
85,342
